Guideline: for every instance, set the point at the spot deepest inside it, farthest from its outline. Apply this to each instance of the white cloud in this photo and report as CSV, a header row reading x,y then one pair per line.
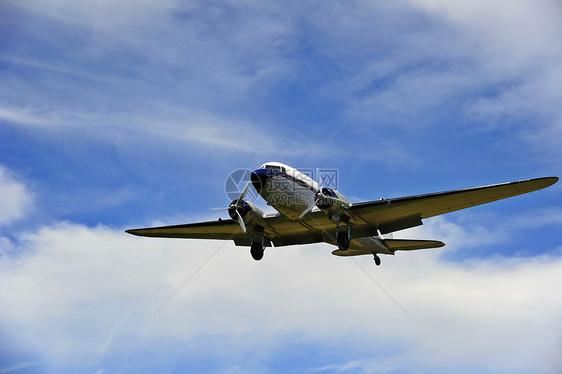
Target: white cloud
x,y
183,37
92,291
518,30
19,366
176,126
512,43
484,65
480,67
15,198
89,89
21,116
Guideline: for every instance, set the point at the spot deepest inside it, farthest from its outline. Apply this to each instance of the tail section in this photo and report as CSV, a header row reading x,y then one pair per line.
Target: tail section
x,y
373,245
411,245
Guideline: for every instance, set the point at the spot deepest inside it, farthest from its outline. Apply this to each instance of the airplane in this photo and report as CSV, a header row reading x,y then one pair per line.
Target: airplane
x,y
310,213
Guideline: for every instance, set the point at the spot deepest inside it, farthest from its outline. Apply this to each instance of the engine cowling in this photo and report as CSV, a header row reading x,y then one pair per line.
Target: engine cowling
x,y
332,202
251,214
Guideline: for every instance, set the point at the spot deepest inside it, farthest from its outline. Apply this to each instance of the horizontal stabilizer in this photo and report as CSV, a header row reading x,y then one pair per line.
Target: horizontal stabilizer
x,y
392,245
411,245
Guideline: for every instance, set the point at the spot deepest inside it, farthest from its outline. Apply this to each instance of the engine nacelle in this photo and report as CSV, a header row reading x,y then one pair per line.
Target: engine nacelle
x,y
332,202
251,214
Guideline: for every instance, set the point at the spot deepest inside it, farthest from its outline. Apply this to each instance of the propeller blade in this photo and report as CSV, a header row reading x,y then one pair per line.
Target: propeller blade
x,y
319,192
242,196
241,221
307,210
220,208
244,192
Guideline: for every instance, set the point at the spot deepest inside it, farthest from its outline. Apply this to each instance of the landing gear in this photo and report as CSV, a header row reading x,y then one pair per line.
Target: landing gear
x,y
377,259
343,236
258,245
343,241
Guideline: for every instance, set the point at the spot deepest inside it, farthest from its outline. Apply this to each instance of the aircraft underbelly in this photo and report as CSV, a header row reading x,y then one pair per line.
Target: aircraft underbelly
x,y
287,197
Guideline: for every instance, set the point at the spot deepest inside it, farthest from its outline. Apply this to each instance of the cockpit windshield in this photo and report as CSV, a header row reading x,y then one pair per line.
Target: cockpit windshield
x,y
273,167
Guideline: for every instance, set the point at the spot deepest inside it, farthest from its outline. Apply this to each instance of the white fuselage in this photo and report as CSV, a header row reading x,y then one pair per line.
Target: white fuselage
x,y
284,188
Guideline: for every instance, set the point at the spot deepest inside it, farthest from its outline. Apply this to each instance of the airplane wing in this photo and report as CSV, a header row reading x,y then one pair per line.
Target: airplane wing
x,y
280,230
405,212
368,218
222,229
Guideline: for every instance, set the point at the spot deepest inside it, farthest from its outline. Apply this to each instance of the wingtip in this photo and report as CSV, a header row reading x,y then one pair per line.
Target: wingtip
x,y
540,183
549,181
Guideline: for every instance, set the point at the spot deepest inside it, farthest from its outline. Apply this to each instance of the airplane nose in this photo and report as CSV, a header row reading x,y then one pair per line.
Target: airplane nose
x,y
259,178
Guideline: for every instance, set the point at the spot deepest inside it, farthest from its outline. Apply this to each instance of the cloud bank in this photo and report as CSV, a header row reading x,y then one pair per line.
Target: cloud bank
x,y
81,298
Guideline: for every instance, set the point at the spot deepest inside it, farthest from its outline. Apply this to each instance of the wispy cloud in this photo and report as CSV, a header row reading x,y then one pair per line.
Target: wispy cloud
x,y
472,69
15,198
19,366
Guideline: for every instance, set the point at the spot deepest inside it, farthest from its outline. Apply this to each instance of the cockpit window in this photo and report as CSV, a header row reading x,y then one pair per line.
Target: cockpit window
x,y
274,167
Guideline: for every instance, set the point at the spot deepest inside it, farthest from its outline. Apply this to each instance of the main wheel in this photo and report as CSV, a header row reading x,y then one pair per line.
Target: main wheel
x,y
377,259
257,251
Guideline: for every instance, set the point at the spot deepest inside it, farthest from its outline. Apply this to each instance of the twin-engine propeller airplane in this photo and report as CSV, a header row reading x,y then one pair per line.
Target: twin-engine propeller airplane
x,y
310,213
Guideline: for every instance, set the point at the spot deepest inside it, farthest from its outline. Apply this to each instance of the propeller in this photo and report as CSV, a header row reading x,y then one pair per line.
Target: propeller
x,y
240,221
308,209
240,199
244,191
320,195
311,206
236,205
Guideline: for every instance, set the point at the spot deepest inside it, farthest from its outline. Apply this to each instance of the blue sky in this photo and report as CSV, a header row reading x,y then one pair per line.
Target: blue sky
x,y
126,114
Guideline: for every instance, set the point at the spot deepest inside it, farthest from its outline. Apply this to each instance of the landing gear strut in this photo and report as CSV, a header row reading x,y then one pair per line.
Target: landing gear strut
x,y
377,259
343,237
343,242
